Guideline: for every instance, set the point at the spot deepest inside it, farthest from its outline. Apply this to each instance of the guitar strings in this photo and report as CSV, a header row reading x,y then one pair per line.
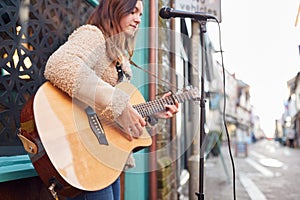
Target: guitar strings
x,y
154,75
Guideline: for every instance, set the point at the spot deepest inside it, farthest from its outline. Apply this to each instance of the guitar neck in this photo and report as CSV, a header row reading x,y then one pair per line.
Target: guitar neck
x,y
157,105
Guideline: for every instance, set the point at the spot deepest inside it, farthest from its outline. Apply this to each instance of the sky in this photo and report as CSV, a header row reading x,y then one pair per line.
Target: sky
x,y
260,43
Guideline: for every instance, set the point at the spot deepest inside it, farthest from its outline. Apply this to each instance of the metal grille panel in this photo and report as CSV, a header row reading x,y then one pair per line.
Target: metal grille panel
x,y
30,30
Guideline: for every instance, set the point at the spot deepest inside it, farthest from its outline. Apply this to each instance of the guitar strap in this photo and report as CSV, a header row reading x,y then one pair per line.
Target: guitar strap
x,y
122,76
27,132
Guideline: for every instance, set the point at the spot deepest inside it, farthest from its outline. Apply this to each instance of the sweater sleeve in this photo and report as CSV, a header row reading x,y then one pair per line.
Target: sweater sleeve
x,y
71,68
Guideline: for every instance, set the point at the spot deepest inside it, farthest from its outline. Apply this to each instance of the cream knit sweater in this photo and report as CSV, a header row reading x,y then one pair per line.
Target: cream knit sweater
x,y
80,67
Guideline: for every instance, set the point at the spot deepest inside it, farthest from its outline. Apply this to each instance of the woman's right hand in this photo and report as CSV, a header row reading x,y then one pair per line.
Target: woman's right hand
x,y
131,122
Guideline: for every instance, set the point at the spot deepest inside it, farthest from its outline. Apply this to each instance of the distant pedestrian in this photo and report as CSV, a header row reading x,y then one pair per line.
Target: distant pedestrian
x,y
291,136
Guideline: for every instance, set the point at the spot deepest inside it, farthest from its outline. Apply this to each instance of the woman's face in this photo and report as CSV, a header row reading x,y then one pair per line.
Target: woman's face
x,y
129,23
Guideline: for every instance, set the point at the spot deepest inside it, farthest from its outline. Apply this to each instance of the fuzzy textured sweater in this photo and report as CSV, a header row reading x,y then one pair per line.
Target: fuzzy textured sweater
x,y
81,65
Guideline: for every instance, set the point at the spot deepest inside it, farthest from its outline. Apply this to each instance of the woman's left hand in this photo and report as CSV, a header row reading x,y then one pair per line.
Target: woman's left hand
x,y
170,110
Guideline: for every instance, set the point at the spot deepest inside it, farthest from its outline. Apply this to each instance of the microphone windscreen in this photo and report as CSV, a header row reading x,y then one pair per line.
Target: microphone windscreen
x,y
164,13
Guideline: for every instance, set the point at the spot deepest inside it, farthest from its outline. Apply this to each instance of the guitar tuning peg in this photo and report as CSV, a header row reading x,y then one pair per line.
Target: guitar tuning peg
x,y
187,88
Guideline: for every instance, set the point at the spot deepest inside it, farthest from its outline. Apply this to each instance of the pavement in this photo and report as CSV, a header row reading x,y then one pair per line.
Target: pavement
x,y
219,178
260,173
266,172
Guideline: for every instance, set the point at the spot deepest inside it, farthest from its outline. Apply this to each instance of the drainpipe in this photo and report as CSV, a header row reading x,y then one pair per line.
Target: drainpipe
x,y
152,91
193,161
173,119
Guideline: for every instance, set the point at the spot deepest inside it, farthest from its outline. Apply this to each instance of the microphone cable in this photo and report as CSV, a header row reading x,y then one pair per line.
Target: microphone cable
x,y
224,113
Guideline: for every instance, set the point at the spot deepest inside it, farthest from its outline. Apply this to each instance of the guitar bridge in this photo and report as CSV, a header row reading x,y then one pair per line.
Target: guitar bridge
x,y
96,126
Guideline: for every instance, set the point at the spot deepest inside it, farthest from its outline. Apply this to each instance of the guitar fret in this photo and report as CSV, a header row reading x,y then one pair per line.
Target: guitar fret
x,y
183,97
188,95
152,108
176,97
148,109
172,100
161,104
168,101
180,97
143,111
157,106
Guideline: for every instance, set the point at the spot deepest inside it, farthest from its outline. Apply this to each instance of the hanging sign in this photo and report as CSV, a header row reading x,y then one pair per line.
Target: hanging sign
x,y
212,7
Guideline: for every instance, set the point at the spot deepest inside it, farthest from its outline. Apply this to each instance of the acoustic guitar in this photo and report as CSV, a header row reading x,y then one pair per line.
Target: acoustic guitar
x,y
87,152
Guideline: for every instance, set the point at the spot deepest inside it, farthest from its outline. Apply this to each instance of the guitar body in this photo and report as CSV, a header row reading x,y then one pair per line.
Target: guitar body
x,y
71,146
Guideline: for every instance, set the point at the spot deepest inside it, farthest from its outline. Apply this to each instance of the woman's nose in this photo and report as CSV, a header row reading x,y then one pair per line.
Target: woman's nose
x,y
137,19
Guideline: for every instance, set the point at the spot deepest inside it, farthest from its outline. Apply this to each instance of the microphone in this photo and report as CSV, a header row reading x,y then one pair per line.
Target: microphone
x,y
167,13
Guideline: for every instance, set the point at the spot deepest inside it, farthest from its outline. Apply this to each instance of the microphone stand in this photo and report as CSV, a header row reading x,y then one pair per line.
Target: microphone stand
x,y
200,194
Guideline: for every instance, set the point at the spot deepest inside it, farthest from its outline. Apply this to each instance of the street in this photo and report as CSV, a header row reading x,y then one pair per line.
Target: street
x,y
269,171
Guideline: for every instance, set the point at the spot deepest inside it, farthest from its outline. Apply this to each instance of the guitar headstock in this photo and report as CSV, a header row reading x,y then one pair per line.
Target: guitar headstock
x,y
188,93
193,92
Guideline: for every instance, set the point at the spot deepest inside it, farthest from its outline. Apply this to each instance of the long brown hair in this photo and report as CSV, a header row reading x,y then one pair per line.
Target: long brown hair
x,y
106,17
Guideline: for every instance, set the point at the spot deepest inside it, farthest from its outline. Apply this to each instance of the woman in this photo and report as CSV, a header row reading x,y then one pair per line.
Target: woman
x,y
96,58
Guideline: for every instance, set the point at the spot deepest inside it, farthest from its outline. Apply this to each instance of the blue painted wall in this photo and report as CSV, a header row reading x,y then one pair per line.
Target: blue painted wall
x,y
136,184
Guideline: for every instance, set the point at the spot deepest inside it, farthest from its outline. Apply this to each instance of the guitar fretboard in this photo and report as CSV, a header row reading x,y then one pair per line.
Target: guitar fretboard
x,y
157,105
